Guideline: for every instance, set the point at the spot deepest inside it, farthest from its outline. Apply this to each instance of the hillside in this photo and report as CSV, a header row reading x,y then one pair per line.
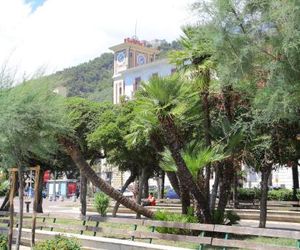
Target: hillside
x,y
93,79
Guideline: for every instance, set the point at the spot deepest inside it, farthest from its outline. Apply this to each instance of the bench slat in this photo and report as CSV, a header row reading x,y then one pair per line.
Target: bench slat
x,y
247,245
190,226
258,231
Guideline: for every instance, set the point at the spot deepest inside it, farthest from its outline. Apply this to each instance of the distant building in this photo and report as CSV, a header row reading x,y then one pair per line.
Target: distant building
x,y
134,63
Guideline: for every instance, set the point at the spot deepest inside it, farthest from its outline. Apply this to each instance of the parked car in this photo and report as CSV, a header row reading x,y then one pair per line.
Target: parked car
x,y
127,193
171,194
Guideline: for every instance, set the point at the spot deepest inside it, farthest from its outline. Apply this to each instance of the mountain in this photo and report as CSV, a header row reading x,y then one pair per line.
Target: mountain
x,y
93,79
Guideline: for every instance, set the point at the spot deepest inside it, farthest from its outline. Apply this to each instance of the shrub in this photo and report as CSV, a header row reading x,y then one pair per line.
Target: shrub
x,y
248,194
3,242
280,195
4,187
168,216
226,218
58,243
101,203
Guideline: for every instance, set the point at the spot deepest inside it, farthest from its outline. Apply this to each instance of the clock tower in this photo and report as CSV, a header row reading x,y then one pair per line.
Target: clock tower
x,y
129,54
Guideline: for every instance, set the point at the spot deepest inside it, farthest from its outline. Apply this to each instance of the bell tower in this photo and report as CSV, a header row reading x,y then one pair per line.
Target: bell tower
x,y
129,54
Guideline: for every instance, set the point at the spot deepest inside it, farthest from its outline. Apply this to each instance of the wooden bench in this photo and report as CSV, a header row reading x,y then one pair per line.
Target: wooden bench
x,y
147,230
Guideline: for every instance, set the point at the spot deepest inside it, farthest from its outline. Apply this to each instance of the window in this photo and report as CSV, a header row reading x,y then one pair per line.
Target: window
x,y
173,70
137,83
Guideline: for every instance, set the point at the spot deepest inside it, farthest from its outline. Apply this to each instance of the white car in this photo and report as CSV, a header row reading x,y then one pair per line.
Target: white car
x,y
128,193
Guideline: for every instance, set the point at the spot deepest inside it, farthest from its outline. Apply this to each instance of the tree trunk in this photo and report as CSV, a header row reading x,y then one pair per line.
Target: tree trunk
x,y
162,191
265,174
170,132
21,206
83,193
225,184
125,186
142,180
90,174
11,209
295,180
215,188
185,199
146,188
234,190
207,126
174,182
39,208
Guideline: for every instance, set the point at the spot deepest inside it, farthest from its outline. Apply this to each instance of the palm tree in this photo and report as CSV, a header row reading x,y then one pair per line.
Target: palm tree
x,y
74,152
195,59
169,101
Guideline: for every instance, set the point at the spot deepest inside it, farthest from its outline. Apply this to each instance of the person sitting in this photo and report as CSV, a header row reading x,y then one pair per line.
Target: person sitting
x,y
150,201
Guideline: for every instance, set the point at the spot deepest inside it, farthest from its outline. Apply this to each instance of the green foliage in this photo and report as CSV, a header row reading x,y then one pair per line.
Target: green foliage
x,y
91,80
4,187
281,195
58,243
227,218
3,242
168,216
101,203
248,194
31,119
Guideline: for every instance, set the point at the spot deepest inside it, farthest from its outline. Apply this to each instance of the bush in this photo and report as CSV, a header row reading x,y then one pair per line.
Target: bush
x,y
101,203
58,243
226,218
3,242
4,187
248,194
168,216
280,195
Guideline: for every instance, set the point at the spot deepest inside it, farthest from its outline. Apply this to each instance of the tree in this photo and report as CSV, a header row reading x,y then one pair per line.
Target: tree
x,y
165,99
257,50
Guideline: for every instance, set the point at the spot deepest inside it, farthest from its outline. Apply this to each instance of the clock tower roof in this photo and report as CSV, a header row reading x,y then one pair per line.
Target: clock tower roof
x,y
134,44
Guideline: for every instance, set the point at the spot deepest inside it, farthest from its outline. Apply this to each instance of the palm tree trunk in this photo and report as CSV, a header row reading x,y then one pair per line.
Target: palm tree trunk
x,y
185,199
21,206
215,188
76,155
234,190
125,186
225,185
83,193
172,139
142,180
207,127
265,174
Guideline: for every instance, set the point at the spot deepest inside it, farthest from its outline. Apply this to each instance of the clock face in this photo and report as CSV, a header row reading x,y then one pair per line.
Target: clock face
x,y
121,57
141,59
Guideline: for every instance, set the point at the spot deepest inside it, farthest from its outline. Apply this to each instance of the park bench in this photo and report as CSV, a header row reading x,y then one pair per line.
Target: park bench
x,y
146,230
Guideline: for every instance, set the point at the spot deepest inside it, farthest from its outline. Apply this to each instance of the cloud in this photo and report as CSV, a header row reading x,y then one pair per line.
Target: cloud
x,y
63,33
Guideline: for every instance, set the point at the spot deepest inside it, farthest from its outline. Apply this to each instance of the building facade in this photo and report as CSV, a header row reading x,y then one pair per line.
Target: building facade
x,y
135,63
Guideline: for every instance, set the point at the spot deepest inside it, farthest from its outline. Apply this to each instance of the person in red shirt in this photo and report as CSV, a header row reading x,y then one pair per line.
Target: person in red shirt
x,y
151,200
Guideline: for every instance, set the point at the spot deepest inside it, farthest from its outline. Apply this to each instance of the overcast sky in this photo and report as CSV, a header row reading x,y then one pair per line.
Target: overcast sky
x,y
61,33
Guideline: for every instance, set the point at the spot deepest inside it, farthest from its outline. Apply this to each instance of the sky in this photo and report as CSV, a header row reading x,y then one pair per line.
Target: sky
x,y
57,34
